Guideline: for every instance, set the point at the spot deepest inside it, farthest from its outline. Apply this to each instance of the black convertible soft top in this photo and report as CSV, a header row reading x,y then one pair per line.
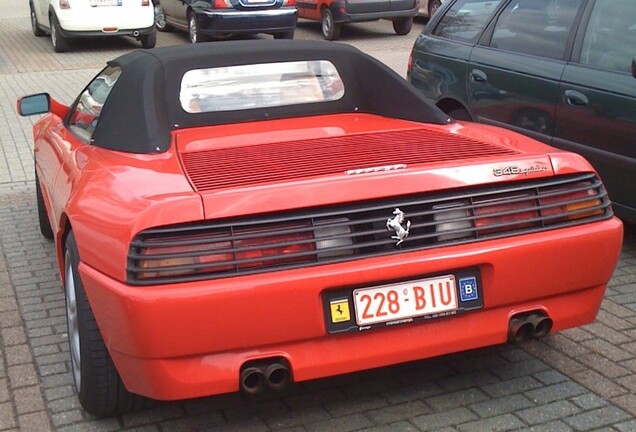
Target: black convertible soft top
x,y
144,107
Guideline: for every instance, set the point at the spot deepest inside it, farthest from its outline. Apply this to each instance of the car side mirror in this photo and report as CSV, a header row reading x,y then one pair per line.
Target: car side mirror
x,y
634,68
34,104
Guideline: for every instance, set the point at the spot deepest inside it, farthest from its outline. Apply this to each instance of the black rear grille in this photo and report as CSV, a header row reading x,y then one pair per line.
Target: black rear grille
x,y
219,249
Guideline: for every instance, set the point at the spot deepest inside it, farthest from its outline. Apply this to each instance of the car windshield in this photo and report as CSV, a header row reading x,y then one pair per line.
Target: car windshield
x,y
260,86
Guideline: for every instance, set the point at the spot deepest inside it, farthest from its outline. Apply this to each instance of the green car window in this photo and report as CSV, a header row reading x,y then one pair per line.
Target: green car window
x,y
535,27
465,20
611,36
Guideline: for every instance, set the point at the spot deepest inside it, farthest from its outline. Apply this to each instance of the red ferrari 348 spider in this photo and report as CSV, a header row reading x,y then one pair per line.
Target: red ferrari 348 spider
x,y
271,212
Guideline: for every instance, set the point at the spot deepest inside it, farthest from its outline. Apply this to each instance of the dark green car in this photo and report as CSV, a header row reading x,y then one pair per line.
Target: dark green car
x,y
561,71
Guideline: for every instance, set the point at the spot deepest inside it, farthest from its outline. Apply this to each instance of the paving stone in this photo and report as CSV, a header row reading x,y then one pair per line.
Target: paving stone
x,y
286,419
4,390
28,399
22,375
589,401
503,405
554,426
13,336
550,377
360,404
434,422
628,426
17,354
341,424
603,365
627,402
598,418
500,423
402,426
7,416
555,392
456,399
548,412
395,413
599,384
512,386
35,422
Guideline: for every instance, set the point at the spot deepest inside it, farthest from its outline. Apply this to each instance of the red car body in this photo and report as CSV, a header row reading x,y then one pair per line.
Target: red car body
x,y
333,13
176,334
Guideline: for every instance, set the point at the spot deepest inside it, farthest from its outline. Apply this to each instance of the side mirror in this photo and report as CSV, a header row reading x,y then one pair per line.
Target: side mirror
x,y
634,68
34,104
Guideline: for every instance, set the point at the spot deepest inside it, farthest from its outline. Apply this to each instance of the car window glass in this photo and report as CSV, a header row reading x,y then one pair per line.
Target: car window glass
x,y
536,27
88,106
260,86
611,35
465,20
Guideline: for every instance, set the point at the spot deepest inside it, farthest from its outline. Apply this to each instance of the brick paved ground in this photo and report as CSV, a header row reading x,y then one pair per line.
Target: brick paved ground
x,y
583,379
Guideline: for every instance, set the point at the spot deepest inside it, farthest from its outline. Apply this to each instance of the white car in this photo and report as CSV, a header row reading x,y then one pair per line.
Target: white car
x,y
65,20
428,7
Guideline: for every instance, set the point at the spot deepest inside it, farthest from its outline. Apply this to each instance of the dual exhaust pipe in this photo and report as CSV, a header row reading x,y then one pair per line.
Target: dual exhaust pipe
x,y
532,325
258,377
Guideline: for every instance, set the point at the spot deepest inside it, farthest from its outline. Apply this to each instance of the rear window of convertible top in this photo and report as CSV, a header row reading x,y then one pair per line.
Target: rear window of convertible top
x,y
263,85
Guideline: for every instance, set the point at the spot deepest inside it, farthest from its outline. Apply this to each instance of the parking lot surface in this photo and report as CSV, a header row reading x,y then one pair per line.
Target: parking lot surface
x,y
582,379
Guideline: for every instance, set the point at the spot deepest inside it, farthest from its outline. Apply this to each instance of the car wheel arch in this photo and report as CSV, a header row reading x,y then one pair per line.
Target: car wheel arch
x,y
60,242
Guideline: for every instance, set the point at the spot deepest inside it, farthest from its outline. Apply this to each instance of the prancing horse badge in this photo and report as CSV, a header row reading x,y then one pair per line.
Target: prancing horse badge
x,y
397,225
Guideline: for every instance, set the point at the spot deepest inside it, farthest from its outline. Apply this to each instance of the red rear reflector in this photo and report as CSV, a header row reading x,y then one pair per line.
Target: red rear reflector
x,y
109,29
504,215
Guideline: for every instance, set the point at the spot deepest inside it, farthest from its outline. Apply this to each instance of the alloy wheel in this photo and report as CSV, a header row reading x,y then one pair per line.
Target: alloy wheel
x,y
72,322
53,35
34,21
193,29
327,24
160,17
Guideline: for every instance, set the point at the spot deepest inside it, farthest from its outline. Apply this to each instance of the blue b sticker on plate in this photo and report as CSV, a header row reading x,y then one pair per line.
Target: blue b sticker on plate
x,y
468,289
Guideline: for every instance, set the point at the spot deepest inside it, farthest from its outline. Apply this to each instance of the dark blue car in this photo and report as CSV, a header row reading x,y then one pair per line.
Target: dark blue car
x,y
220,18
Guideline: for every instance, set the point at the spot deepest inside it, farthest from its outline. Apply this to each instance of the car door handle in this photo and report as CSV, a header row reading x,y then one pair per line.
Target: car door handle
x,y
478,76
575,98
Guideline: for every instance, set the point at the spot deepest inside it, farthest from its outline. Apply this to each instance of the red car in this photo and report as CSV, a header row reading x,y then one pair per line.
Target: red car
x,y
334,13
260,214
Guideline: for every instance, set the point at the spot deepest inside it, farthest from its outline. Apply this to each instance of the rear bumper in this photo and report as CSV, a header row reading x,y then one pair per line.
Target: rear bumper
x,y
136,32
188,340
216,22
340,15
87,21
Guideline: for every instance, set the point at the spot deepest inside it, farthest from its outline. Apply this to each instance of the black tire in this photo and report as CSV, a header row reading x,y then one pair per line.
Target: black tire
x,y
35,25
43,218
284,35
149,40
433,5
402,26
330,28
460,114
194,34
98,385
60,43
160,19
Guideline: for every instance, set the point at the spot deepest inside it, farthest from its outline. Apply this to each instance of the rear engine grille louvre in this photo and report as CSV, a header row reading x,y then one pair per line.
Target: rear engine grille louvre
x,y
219,249
283,161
